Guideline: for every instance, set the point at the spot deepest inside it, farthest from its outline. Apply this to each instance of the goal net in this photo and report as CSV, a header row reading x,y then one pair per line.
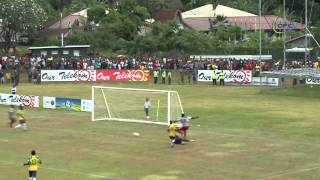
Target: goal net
x,y
127,104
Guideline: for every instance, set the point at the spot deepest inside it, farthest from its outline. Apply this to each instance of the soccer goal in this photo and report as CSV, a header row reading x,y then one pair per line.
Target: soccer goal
x,y
127,104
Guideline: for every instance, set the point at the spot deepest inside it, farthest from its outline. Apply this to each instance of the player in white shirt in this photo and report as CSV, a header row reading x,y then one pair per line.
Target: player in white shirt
x,y
184,120
147,106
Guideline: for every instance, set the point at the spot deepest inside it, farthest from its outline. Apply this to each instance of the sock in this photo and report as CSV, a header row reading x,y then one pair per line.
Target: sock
x,y
24,125
30,178
17,126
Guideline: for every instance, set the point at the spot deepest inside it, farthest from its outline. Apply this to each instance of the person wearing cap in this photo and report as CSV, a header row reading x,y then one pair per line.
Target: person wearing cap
x,y
33,163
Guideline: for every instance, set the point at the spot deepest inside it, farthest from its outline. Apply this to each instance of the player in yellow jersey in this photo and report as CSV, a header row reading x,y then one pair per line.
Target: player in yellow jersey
x,y
172,133
33,163
22,120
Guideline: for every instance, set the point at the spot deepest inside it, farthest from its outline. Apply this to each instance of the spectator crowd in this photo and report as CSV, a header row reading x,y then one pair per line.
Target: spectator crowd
x,y
10,67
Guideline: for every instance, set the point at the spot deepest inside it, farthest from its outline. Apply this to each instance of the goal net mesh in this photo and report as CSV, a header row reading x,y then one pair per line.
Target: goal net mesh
x,y
127,104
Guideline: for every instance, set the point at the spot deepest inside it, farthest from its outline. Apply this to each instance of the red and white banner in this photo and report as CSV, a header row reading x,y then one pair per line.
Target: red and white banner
x,y
17,100
68,75
232,76
122,75
94,75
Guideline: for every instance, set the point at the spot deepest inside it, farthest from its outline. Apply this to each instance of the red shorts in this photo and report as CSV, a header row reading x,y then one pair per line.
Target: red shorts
x,y
184,129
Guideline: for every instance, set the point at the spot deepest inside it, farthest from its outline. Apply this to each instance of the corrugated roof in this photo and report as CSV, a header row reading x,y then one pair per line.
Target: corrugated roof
x,y
246,23
167,15
220,10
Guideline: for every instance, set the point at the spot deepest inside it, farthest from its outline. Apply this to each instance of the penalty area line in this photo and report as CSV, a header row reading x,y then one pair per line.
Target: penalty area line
x,y
65,171
288,172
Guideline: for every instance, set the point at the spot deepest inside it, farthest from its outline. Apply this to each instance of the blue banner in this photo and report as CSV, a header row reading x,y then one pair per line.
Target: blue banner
x,y
68,104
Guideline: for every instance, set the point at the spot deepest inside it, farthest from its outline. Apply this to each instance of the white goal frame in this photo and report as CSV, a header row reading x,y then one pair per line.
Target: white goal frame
x,y
110,118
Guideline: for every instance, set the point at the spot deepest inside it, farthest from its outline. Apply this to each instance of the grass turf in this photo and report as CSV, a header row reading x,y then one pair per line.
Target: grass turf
x,y
244,133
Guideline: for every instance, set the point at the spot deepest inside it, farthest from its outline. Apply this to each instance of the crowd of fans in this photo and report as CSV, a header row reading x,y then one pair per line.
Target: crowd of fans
x,y
10,67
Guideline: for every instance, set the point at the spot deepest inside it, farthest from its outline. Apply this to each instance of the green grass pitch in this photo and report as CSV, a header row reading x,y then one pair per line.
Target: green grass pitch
x,y
242,133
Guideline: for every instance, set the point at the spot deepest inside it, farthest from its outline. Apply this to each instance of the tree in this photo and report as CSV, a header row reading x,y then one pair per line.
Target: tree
x,y
96,13
19,17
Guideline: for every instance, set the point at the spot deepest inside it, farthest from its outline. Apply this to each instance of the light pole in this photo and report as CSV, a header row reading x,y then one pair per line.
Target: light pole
x,y
1,21
260,36
284,36
305,34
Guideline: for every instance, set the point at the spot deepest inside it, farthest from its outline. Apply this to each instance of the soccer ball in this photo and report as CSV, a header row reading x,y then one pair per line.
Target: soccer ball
x,y
136,134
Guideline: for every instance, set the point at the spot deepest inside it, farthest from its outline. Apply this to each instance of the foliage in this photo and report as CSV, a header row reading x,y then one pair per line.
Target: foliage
x,y
19,16
96,13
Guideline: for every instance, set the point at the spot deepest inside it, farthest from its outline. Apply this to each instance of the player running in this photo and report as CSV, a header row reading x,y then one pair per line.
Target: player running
x,y
21,119
33,163
12,116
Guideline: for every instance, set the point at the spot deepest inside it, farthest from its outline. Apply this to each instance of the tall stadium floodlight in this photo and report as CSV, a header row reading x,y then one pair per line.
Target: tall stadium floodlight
x,y
127,104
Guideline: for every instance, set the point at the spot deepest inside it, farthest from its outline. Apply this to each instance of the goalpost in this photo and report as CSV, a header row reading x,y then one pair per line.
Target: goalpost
x,y
127,104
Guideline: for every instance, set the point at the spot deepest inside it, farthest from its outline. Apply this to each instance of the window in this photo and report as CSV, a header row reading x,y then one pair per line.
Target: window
x,y
54,52
43,53
76,53
65,52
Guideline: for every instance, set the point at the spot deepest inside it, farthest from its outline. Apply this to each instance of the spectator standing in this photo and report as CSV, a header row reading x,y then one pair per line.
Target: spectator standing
x,y
214,78
181,71
155,76
1,77
163,75
221,77
169,77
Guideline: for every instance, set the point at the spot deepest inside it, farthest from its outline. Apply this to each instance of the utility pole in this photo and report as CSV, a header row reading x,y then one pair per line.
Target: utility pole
x,y
260,36
284,35
306,34
61,7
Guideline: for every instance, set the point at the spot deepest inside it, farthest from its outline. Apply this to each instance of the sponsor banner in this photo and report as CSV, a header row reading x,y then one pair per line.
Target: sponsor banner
x,y
264,81
68,75
232,76
86,105
122,75
312,81
17,100
68,104
49,102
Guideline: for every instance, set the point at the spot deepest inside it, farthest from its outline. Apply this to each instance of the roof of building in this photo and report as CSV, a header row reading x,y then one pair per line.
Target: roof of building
x,y
59,47
167,15
210,11
245,22
175,4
